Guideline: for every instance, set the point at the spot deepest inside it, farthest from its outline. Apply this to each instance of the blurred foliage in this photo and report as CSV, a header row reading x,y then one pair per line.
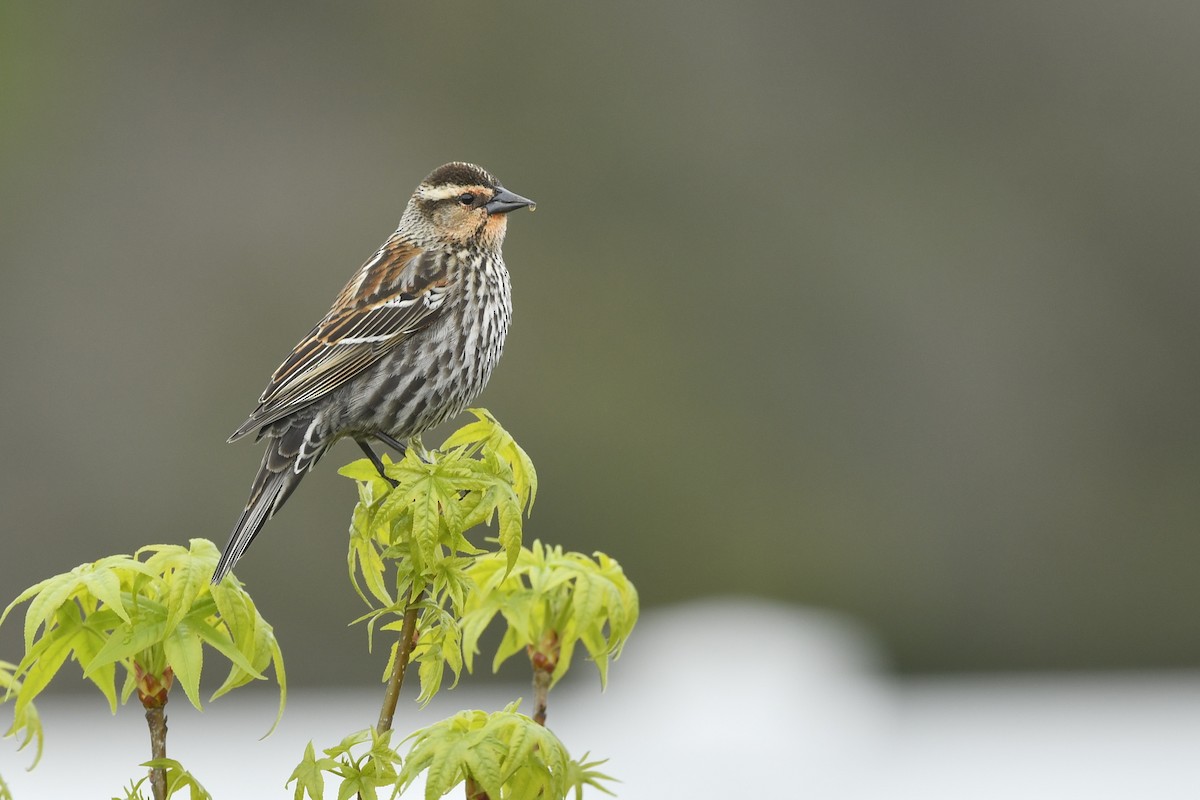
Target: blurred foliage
x,y
26,723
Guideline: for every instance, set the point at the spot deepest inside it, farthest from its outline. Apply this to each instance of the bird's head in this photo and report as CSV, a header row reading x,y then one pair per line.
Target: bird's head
x,y
461,204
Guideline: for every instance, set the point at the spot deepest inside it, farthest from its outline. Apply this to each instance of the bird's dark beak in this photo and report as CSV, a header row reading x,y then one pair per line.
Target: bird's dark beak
x,y
506,201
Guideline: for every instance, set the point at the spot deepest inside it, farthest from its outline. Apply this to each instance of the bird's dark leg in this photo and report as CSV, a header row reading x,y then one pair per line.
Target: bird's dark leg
x,y
366,448
392,443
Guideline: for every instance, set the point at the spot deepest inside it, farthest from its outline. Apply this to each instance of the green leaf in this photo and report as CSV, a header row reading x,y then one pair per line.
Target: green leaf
x,y
353,785
163,558
361,470
439,645
126,642
220,640
308,777
41,663
191,576
26,724
509,510
54,593
584,773
87,644
357,775
366,558
182,648
488,433
507,754
281,679
133,791
178,778
105,586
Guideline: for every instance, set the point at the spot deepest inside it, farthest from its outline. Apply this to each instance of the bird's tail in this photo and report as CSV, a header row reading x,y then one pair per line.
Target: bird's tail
x,y
284,465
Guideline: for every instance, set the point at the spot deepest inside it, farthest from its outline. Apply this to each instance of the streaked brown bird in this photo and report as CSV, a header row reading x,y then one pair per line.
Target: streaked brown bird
x,y
409,342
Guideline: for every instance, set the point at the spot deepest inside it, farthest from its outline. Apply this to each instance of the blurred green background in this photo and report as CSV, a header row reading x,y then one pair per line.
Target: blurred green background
x,y
885,308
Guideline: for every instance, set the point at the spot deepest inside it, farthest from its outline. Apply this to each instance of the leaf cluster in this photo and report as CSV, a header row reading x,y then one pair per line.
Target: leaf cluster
x,y
506,754
410,558
479,474
360,775
409,545
149,614
551,601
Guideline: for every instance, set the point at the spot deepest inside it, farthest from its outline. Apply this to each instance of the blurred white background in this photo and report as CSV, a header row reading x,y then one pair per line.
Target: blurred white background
x,y
722,699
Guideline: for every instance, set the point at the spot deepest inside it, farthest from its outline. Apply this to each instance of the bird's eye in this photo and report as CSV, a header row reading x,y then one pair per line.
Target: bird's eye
x,y
466,198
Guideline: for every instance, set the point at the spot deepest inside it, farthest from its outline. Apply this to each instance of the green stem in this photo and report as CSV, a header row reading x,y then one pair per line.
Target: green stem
x,y
396,680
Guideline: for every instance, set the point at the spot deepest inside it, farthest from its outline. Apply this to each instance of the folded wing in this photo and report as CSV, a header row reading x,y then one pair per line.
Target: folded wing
x,y
398,292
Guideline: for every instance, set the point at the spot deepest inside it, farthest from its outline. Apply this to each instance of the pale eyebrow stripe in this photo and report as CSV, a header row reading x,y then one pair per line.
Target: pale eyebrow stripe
x,y
446,192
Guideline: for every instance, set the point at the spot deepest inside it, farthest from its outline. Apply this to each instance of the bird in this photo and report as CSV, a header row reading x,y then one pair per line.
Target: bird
x,y
409,343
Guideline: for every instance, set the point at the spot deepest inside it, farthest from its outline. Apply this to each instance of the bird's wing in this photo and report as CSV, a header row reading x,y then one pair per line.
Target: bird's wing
x,y
396,293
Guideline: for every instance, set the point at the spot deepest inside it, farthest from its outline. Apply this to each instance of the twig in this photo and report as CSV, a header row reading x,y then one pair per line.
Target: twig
x,y
543,659
152,691
541,691
396,680
157,720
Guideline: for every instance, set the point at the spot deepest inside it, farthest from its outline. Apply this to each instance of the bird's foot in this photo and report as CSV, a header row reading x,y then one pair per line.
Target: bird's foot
x,y
419,447
375,460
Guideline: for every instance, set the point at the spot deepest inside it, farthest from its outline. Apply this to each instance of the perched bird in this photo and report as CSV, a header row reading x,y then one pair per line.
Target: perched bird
x,y
409,342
